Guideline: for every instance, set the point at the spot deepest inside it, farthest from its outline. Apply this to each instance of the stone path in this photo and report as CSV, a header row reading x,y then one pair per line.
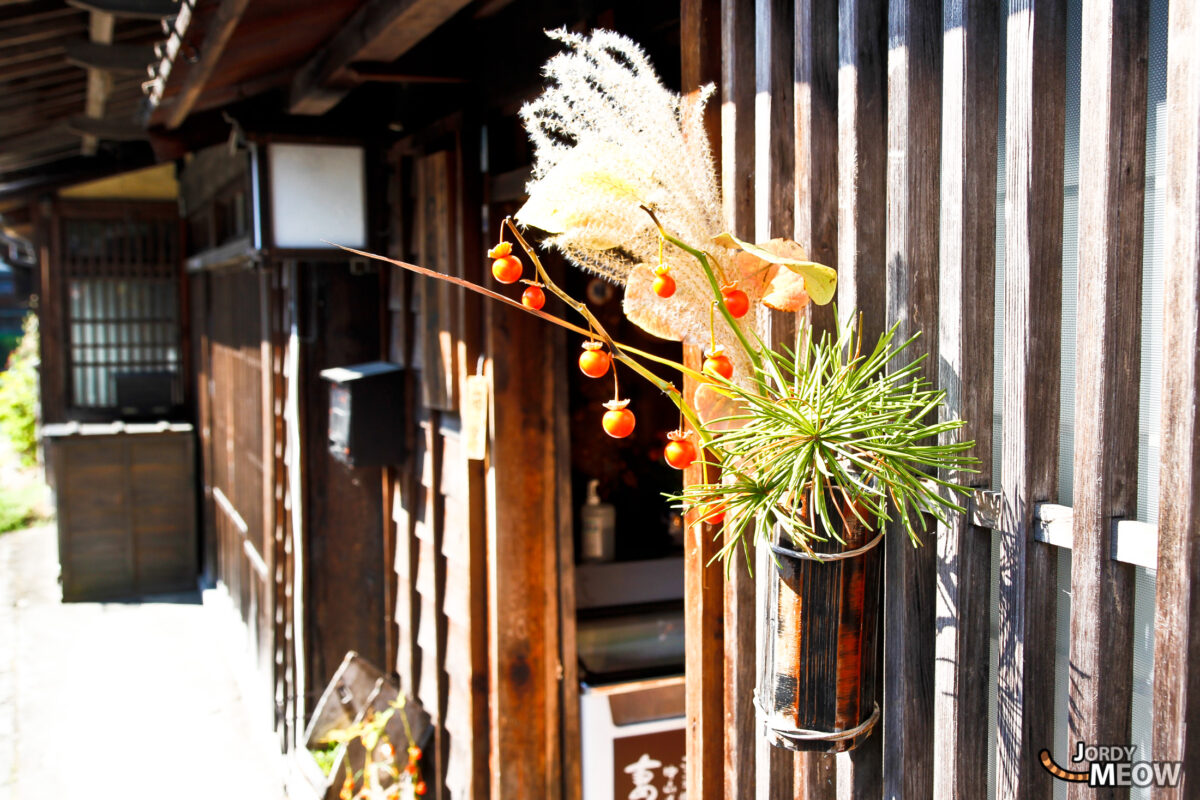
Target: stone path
x,y
129,700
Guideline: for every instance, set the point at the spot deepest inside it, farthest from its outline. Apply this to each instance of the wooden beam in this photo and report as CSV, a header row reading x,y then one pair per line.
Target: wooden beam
x,y
130,59
108,130
380,30
221,26
380,72
970,86
32,33
38,11
1112,143
137,9
100,31
1033,216
1176,722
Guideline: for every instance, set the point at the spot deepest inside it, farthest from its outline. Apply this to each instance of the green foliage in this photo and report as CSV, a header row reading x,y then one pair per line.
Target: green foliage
x,y
19,506
19,394
826,432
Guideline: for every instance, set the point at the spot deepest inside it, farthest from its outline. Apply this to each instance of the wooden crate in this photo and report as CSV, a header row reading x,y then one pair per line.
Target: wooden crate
x,y
126,503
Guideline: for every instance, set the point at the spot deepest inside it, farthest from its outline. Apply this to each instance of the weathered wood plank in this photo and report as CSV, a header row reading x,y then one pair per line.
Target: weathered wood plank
x,y
774,215
914,144
1177,641
700,23
815,119
815,217
1112,143
861,166
970,83
741,22
522,562
1035,82
133,9
129,59
861,161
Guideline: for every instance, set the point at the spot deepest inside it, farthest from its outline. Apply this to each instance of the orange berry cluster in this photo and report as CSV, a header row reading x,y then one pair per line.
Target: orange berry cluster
x,y
507,268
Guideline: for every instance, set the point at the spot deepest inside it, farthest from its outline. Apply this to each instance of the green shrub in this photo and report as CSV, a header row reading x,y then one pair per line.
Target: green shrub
x,y
19,506
19,394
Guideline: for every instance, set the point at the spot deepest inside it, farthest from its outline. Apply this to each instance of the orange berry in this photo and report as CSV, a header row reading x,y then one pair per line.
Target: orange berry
x,y
717,363
618,420
679,453
594,361
664,285
421,788
713,513
386,751
533,297
507,269
414,753
410,769
736,302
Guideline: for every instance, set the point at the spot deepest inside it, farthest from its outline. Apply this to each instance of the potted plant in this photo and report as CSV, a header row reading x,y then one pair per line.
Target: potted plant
x,y
811,450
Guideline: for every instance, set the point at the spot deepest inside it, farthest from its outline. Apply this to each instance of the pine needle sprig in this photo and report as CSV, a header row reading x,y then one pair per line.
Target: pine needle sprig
x,y
828,430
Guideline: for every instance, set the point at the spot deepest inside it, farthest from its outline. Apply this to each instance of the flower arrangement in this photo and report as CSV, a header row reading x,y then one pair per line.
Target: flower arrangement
x,y
382,777
792,440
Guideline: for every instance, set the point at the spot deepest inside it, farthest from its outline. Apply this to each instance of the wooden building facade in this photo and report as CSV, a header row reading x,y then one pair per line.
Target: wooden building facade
x,y
1018,182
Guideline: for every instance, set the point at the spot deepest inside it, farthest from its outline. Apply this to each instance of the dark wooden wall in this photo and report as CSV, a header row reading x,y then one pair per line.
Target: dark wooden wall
x,y
889,159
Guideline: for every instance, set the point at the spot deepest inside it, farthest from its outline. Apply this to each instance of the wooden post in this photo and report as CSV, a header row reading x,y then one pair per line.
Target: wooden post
x,y
700,22
1177,643
774,215
1112,145
815,217
970,85
862,142
738,187
1034,122
914,110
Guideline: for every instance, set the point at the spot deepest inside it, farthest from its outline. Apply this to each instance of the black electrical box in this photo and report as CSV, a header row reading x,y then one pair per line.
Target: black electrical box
x,y
365,401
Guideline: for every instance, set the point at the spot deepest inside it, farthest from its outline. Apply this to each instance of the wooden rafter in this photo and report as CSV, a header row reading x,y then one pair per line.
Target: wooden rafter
x,y
143,9
117,58
381,31
220,29
107,129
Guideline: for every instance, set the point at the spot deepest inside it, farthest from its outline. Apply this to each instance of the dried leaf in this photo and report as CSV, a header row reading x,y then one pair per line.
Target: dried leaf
x,y
655,315
785,291
820,280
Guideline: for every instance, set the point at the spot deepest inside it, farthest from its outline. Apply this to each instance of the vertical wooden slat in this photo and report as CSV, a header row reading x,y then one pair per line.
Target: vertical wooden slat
x,y
1177,642
700,23
862,142
738,20
774,215
1112,145
815,119
815,217
1035,82
966,310
861,160
913,114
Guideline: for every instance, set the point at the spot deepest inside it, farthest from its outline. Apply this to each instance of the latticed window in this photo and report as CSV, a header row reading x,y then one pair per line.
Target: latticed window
x,y
122,313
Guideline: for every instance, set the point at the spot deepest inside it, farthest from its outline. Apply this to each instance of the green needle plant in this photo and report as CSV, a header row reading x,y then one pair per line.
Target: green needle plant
x,y
827,422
